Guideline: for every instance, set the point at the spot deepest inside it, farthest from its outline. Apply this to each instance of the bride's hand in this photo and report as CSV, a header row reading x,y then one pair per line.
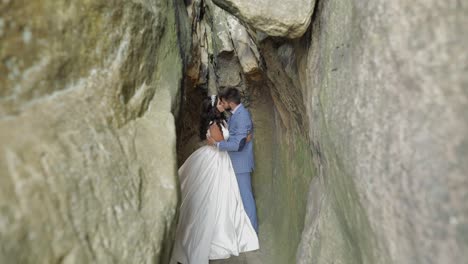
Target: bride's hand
x,y
249,138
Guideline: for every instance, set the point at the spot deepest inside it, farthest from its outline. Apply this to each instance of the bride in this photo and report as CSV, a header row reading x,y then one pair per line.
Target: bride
x,y
212,222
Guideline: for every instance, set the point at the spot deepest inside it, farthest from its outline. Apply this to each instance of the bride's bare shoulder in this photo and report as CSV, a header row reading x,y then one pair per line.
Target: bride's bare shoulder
x,y
216,132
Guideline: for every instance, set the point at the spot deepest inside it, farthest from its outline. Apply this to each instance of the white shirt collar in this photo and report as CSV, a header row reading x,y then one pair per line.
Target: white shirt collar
x,y
235,109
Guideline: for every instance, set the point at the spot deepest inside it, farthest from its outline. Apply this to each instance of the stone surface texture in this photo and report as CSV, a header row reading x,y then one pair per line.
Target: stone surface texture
x,y
276,18
385,88
87,131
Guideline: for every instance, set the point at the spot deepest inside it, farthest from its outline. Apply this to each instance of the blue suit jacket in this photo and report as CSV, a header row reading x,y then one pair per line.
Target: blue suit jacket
x,y
241,153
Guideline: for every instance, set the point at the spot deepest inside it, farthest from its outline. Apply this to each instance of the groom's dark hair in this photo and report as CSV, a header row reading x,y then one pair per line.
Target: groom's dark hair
x,y
231,95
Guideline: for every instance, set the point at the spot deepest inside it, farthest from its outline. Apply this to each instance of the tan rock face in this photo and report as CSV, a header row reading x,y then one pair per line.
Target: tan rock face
x,y
380,90
386,97
87,135
276,18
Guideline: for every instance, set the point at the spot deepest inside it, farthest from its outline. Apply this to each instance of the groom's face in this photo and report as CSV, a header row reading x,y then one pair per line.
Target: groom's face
x,y
225,105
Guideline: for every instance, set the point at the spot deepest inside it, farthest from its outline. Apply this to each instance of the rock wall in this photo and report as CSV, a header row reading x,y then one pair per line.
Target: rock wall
x,y
87,133
387,95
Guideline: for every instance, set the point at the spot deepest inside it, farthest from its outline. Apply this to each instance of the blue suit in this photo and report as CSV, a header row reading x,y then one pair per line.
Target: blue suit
x,y
241,153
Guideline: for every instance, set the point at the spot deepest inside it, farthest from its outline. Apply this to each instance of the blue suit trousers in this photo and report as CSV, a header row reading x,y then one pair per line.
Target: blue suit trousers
x,y
245,188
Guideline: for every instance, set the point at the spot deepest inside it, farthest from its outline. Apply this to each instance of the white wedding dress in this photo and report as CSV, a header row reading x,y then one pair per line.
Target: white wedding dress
x,y
212,221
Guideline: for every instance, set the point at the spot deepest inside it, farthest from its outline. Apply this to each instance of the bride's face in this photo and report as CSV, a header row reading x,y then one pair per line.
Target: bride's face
x,y
220,106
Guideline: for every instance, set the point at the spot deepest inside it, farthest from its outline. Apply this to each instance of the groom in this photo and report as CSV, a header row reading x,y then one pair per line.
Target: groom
x,y
240,148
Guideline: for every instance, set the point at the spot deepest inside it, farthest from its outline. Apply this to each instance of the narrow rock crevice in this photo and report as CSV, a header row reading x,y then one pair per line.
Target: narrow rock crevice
x,y
225,54
335,127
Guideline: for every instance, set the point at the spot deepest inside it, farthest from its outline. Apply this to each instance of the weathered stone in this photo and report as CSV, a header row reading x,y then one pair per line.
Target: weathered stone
x,y
385,90
212,87
223,53
228,71
87,135
244,46
276,18
204,33
221,37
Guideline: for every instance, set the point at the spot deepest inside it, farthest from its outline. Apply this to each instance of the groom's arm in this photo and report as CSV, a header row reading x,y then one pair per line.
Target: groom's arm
x,y
237,140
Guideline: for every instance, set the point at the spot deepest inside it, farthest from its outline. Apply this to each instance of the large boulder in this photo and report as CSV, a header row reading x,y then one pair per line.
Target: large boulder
x,y
276,18
87,134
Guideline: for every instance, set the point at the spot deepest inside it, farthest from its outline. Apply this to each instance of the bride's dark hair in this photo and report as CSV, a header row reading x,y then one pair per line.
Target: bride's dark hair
x,y
209,113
